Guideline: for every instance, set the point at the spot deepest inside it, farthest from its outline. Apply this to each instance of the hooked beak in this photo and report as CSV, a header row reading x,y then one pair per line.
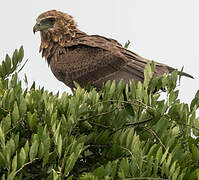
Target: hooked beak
x,y
36,28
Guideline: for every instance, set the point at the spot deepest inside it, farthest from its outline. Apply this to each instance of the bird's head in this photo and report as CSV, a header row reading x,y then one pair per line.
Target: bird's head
x,y
55,23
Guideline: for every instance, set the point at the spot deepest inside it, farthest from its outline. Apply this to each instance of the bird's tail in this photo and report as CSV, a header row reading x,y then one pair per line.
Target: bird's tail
x,y
180,73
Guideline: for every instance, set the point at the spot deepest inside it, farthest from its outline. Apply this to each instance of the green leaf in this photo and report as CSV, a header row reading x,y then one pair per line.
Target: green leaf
x,y
6,123
70,178
133,88
195,101
11,176
33,150
15,113
174,112
3,70
8,64
197,172
76,85
41,150
59,146
69,164
151,151
56,133
26,148
32,120
14,163
172,169
176,173
107,86
149,166
155,168
22,156
71,160
195,153
112,88
172,80
2,137
120,85
164,156
22,106
2,160
124,168
20,54
139,91
33,85
159,155
129,139
3,177
15,59
129,109
45,158
11,146
127,44
173,96
167,165
148,74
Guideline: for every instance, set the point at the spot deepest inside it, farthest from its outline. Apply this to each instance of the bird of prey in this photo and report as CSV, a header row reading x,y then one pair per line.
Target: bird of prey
x,y
87,59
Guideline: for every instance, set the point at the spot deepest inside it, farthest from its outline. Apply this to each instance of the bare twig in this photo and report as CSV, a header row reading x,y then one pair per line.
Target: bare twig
x,y
25,165
23,65
155,134
139,122
134,124
98,115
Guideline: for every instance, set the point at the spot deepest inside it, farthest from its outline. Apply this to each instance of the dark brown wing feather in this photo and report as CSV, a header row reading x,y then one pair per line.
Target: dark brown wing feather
x,y
96,59
85,64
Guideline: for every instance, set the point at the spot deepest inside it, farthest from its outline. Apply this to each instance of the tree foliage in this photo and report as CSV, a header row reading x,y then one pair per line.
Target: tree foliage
x,y
122,132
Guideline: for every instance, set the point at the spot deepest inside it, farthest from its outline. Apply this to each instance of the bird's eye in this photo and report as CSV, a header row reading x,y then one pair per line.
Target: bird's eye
x,y
52,20
48,21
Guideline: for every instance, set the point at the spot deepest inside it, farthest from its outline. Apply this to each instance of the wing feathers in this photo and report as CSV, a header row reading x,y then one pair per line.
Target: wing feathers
x,y
96,59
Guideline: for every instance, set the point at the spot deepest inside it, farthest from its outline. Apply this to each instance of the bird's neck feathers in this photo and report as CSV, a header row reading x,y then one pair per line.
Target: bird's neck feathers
x,y
56,38
58,35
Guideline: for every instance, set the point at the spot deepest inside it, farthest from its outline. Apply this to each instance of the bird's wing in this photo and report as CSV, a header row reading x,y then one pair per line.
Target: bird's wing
x,y
137,62
86,64
134,64
96,59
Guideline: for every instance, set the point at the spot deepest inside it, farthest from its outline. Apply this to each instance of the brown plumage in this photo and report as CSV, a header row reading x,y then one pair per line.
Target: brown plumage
x,y
75,56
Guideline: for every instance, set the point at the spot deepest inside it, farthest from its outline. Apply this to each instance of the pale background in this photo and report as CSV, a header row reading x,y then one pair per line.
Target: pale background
x,y
163,30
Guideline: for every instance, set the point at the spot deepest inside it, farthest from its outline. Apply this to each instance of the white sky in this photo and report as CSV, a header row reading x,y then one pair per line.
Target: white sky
x,y
166,31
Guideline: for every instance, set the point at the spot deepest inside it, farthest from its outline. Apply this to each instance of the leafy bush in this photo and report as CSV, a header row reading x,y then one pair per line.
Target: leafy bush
x,y
97,135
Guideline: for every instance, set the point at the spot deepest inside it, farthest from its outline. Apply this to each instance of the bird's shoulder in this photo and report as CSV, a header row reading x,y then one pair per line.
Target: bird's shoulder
x,y
96,41
99,41
107,44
